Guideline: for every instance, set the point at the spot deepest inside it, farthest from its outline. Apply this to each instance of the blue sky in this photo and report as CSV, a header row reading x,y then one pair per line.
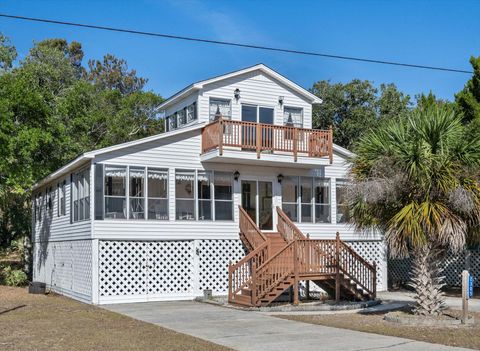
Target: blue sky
x,y
437,33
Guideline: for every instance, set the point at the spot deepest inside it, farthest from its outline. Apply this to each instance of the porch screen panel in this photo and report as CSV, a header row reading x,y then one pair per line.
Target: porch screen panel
x,y
137,192
223,183
185,195
157,194
342,205
99,191
290,197
306,199
204,196
115,192
322,200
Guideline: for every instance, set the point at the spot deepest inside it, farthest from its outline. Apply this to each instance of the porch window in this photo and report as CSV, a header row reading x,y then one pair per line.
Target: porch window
x,y
293,117
157,194
81,195
290,197
306,207
204,195
223,183
322,200
61,198
220,108
185,195
115,192
342,205
137,193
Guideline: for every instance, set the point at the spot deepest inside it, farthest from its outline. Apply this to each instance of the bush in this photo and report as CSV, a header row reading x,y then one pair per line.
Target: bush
x,y
14,277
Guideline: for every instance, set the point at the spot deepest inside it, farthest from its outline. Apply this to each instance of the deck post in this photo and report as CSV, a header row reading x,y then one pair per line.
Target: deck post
x,y
230,281
295,143
254,282
258,141
337,267
330,145
220,136
374,280
295,271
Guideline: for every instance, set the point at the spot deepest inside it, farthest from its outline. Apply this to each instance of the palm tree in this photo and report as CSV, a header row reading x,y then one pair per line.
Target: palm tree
x,y
416,180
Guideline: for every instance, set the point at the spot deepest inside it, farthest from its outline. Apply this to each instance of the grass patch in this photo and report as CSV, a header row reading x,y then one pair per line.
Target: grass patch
x,y
461,336
54,322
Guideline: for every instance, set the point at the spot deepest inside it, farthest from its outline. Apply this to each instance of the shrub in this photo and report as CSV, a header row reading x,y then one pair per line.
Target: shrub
x,y
14,277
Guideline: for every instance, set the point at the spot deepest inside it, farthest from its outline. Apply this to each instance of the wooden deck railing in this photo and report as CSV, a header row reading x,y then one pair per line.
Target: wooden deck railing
x,y
287,228
259,137
249,230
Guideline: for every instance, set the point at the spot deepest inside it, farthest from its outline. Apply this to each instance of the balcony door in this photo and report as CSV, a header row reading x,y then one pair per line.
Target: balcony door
x,y
256,114
257,201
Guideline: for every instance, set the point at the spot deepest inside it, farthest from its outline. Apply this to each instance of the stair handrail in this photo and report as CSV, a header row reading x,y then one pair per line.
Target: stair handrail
x,y
356,268
287,228
242,273
248,226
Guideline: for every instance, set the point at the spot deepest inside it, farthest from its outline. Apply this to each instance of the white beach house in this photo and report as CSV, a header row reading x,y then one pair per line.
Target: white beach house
x,y
158,218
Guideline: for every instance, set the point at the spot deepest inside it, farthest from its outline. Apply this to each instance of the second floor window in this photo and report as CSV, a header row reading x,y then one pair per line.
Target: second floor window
x,y
220,108
293,117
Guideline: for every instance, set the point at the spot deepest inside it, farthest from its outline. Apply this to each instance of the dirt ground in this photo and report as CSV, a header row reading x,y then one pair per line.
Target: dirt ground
x,y
53,322
468,336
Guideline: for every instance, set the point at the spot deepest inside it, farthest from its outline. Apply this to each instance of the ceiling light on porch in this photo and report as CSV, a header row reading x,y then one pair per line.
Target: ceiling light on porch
x,y
236,175
280,178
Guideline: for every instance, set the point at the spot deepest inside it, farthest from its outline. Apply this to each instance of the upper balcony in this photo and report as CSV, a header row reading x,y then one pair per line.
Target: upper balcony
x,y
256,143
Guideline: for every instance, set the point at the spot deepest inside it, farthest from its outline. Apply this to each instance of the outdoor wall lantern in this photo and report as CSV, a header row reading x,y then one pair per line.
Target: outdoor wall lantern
x,y
236,175
236,93
280,100
280,178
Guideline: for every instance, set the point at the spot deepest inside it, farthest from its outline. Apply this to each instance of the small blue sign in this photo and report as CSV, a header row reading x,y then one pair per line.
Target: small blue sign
x,y
470,286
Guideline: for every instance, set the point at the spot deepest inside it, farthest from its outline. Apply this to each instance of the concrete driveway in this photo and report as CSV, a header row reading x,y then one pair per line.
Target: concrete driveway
x,y
241,330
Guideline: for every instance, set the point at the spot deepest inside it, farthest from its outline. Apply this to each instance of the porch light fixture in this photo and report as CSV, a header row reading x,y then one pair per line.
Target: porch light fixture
x,y
236,93
280,100
280,178
236,175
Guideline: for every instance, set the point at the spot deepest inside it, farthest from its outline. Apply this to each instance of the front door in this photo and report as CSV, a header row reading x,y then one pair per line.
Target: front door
x,y
257,201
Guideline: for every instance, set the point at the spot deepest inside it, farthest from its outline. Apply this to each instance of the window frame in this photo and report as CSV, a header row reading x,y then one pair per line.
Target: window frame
x,y
214,199
84,173
61,198
297,197
344,183
127,205
293,123
194,190
310,203
130,197
211,117
329,204
148,197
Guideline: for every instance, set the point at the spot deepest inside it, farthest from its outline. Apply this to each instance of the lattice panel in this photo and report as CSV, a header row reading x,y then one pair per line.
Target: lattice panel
x,y
62,265
214,257
82,267
145,267
372,251
399,270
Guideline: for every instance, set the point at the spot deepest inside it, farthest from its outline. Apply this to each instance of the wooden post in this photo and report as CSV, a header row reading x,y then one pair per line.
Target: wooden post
x,y
465,282
254,282
374,280
295,143
220,136
258,143
230,297
330,145
295,270
337,266
307,283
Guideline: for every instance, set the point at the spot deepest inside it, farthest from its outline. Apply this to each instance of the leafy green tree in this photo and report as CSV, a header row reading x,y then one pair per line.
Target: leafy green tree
x,y
416,181
468,100
8,53
356,107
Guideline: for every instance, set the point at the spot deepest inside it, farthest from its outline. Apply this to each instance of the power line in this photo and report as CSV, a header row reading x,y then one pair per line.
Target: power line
x,y
218,42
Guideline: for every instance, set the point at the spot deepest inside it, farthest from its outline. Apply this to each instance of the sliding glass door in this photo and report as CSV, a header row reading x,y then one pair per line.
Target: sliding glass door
x,y
257,201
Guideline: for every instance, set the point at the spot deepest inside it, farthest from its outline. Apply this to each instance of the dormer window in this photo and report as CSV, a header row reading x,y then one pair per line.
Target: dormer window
x,y
220,108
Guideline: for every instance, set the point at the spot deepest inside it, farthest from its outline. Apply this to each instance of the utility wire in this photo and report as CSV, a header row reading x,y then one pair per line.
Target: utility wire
x,y
218,42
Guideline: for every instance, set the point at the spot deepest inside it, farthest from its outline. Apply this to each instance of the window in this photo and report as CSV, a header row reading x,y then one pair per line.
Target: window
x,y
38,207
293,117
342,205
290,197
253,113
172,122
185,195
182,117
115,192
81,195
322,200
49,200
157,194
61,199
220,108
136,192
223,183
306,199
191,112
204,195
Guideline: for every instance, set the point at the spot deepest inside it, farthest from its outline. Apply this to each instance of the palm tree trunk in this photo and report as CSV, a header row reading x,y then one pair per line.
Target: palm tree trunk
x,y
427,281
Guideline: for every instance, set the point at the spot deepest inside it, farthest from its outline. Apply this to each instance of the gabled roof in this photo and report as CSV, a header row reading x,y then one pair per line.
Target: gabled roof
x,y
261,67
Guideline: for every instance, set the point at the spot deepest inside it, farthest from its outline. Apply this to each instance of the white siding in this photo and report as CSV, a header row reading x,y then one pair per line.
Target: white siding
x,y
258,89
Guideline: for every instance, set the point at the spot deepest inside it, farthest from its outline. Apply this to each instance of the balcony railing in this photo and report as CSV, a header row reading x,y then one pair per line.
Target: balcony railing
x,y
258,137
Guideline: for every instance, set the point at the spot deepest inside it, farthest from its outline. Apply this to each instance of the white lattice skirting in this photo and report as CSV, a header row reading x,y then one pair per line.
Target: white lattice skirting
x,y
65,266
453,265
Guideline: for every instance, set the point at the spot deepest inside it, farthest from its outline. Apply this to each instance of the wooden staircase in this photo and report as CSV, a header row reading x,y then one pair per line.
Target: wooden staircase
x,y
278,261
